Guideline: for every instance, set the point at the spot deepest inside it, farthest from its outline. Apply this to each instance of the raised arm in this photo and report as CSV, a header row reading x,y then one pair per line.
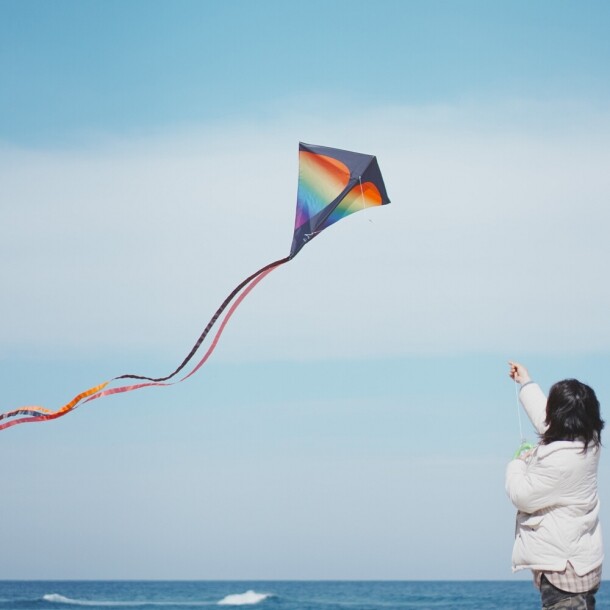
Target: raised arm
x,y
531,396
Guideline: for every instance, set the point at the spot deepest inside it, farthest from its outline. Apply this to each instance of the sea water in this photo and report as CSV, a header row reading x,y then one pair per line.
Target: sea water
x,y
276,595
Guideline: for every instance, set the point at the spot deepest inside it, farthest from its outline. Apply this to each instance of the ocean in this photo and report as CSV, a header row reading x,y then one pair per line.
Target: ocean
x,y
275,595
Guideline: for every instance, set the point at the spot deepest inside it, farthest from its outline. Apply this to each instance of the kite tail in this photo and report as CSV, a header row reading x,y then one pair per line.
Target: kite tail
x,y
35,413
210,324
137,386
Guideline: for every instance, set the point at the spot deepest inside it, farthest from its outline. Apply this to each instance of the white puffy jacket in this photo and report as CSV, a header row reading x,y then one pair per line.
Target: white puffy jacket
x,y
555,492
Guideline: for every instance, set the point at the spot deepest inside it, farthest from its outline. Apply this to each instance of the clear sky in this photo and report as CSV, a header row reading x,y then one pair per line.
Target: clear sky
x,y
357,416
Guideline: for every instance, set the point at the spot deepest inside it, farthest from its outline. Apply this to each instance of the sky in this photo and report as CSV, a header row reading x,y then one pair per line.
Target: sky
x,y
356,418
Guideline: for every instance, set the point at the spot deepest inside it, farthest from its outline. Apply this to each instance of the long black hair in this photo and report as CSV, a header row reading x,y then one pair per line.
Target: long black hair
x,y
572,413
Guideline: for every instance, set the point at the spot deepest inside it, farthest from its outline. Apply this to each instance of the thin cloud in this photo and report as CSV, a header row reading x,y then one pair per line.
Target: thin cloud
x,y
494,239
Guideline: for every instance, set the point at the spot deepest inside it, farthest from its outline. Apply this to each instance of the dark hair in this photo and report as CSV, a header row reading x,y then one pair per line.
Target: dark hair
x,y
572,413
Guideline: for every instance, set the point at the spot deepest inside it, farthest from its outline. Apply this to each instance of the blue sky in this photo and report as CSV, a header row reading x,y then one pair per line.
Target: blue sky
x,y
72,67
359,398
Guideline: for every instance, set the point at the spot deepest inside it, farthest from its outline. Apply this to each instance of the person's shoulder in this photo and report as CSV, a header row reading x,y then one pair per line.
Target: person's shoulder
x,y
567,452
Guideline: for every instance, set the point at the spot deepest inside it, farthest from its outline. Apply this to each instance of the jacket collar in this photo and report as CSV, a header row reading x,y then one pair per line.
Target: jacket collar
x,y
544,450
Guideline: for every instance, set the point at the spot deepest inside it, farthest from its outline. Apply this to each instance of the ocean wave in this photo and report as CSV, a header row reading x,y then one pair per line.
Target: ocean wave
x,y
243,599
55,598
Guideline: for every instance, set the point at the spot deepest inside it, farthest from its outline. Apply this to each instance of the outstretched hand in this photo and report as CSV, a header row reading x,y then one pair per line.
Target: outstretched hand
x,y
518,372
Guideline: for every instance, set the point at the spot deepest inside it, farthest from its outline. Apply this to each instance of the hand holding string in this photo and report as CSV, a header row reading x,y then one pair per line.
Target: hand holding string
x,y
518,373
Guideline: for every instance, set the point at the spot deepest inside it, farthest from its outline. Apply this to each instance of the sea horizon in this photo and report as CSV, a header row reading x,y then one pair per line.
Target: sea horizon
x,y
327,594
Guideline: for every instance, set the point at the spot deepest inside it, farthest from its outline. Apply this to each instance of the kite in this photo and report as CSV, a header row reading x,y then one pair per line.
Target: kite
x,y
333,183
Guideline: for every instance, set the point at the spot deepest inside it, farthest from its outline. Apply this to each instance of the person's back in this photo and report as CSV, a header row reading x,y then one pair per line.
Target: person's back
x,y
554,488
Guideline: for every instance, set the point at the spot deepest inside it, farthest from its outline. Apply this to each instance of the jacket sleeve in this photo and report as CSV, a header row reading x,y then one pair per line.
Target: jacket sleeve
x,y
535,486
534,402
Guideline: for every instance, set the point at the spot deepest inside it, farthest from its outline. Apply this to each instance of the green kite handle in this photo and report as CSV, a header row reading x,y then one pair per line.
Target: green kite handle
x,y
523,447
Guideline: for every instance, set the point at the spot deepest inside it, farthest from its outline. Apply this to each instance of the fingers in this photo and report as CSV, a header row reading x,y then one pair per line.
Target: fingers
x,y
513,369
518,372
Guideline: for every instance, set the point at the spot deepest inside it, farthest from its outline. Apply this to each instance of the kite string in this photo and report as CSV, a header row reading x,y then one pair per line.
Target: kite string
x,y
519,412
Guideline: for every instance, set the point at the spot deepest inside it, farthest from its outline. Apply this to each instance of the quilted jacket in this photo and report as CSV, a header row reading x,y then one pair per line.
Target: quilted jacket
x,y
555,493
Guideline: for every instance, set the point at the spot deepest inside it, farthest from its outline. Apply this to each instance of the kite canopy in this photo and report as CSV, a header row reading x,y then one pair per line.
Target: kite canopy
x,y
333,183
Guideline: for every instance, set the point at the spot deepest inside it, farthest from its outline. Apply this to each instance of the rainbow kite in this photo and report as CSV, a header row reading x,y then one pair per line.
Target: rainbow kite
x,y
333,183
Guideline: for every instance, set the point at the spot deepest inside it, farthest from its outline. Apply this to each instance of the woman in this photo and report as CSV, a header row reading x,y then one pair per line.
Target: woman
x,y
554,488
